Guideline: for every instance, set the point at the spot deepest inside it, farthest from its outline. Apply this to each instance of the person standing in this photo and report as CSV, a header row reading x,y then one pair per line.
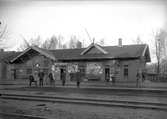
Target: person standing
x,y
143,76
138,77
51,79
41,77
63,81
63,77
31,79
78,79
36,78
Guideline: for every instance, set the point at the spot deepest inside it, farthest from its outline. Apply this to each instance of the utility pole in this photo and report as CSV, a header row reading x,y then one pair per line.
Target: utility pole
x,y
88,35
91,40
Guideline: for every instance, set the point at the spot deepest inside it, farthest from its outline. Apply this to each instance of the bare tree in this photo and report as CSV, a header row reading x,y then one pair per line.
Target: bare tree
x,y
3,29
137,40
60,39
74,42
23,46
51,43
158,53
160,47
54,43
162,35
31,42
35,41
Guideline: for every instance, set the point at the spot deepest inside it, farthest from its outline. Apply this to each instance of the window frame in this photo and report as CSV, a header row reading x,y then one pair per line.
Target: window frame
x,y
126,71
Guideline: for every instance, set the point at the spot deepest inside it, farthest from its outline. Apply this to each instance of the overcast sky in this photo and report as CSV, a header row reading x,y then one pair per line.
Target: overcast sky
x,y
108,20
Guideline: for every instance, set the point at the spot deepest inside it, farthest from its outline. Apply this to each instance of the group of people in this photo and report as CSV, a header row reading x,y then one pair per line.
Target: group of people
x,y
39,77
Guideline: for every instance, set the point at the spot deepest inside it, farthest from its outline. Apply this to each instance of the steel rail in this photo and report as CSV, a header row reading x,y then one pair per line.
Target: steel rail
x,y
16,115
130,92
88,101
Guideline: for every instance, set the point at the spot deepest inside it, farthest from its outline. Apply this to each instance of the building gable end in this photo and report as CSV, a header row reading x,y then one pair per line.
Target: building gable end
x,y
94,49
146,53
37,50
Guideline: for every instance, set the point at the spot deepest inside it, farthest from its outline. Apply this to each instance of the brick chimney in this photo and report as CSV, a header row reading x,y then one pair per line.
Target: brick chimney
x,y
120,42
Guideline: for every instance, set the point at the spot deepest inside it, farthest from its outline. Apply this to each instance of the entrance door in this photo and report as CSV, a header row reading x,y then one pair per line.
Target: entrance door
x,y
107,74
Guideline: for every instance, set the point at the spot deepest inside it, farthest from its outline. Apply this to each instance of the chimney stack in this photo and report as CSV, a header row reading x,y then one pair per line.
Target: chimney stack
x,y
120,42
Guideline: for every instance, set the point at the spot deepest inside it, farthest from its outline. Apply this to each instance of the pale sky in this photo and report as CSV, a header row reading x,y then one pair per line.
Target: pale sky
x,y
108,20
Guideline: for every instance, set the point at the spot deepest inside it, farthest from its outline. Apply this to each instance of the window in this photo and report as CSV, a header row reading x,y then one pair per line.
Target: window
x,y
72,68
94,68
126,70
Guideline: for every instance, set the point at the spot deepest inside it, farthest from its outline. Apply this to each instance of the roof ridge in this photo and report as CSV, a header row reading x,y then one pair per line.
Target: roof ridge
x,y
66,49
86,47
98,45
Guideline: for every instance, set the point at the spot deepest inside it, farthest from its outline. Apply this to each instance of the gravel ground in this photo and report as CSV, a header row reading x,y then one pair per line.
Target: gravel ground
x,y
74,111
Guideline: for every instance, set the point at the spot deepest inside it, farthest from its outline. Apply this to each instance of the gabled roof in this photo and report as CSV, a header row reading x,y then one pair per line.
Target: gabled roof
x,y
107,52
98,47
39,50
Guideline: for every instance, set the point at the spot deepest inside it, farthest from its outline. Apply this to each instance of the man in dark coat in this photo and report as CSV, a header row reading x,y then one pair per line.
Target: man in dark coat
x,y
143,76
138,78
63,77
78,79
31,79
51,79
41,77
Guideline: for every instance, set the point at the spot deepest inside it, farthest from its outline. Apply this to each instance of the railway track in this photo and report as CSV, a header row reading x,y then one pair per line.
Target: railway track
x,y
18,116
107,91
88,101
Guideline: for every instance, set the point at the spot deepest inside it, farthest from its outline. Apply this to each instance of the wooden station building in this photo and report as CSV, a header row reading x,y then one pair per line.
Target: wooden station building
x,y
94,63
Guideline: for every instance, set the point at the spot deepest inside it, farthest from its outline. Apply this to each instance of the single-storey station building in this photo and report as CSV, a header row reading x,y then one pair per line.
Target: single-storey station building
x,y
94,63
